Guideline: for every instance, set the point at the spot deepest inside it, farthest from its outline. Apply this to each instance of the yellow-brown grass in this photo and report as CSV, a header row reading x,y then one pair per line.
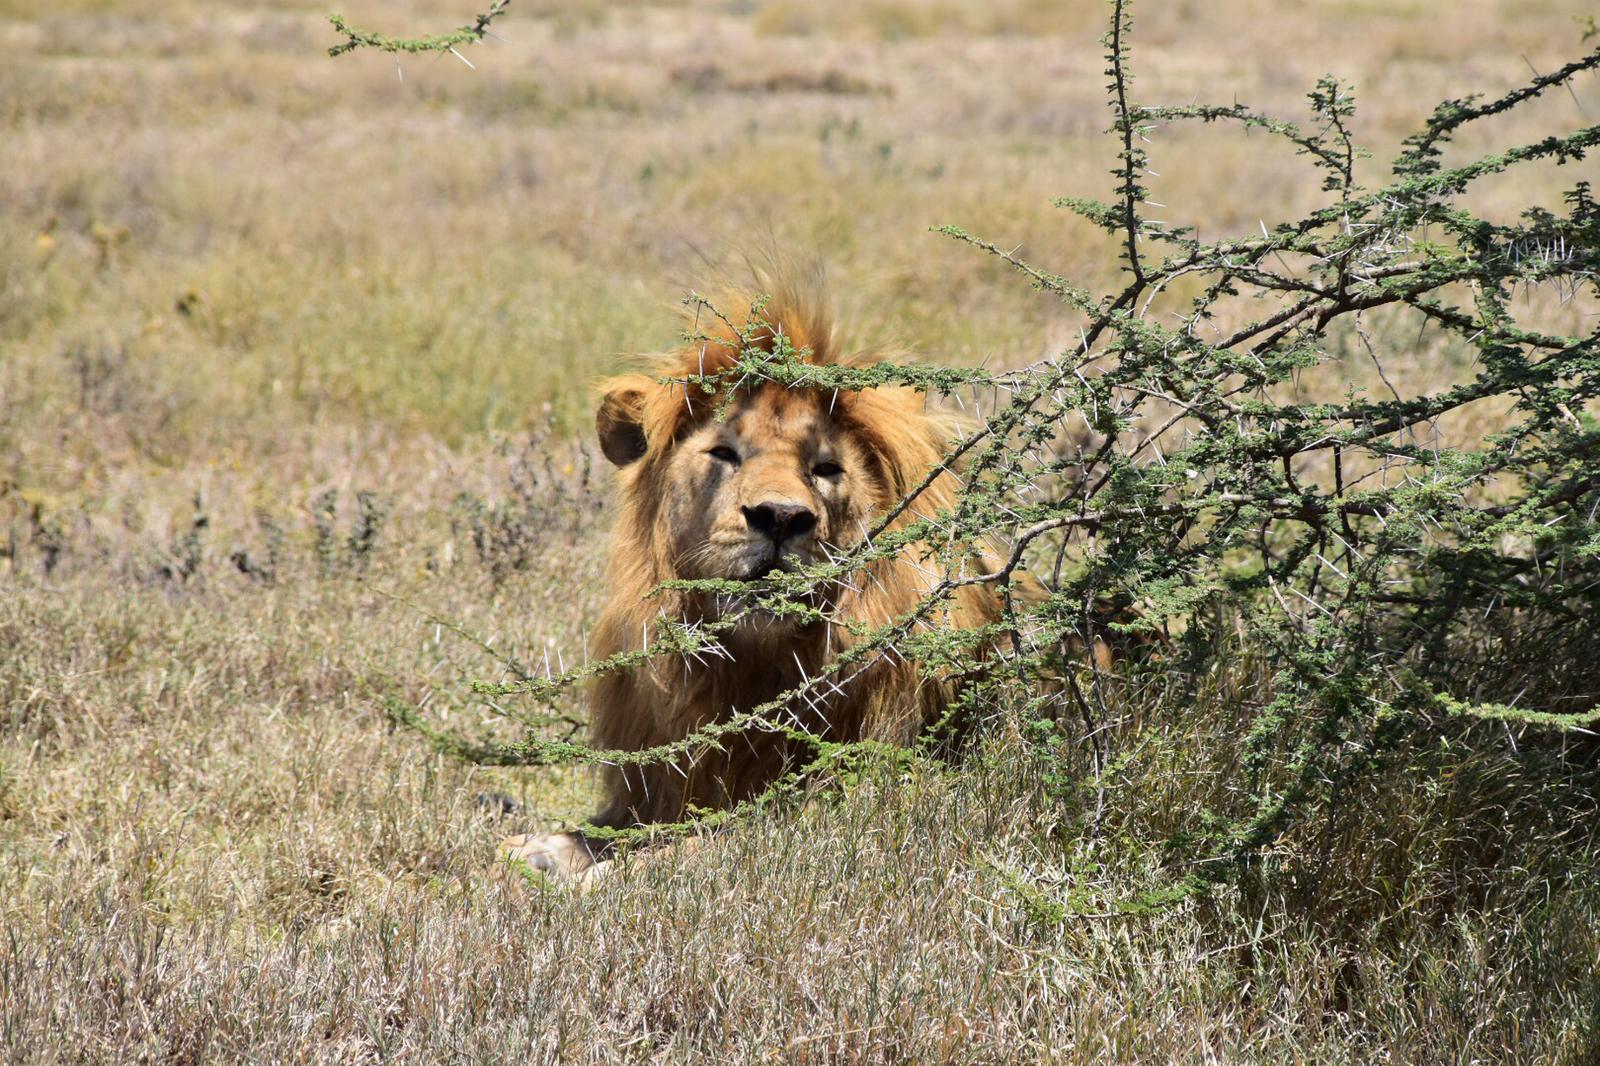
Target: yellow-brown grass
x,y
233,269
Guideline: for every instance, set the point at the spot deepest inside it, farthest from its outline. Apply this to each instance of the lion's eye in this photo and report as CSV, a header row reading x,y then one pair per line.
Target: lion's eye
x,y
725,453
827,468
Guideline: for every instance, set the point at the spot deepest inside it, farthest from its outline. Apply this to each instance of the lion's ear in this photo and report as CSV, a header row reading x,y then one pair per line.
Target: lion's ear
x,y
620,423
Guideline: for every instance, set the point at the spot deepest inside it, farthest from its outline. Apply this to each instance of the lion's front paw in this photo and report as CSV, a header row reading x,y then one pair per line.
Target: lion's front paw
x,y
568,856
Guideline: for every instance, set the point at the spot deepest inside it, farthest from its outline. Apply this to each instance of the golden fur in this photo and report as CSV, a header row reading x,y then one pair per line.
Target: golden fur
x,y
693,490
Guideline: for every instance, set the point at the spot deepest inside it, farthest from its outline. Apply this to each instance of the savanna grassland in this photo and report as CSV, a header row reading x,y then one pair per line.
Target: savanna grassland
x,y
296,357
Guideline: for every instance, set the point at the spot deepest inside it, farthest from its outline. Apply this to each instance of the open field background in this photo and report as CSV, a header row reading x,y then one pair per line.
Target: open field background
x,y
291,347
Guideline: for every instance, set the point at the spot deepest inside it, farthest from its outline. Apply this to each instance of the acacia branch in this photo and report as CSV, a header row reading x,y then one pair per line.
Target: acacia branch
x,y
473,32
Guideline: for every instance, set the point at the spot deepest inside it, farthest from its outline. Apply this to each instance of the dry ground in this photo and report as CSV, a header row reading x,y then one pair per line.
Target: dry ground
x,y
294,352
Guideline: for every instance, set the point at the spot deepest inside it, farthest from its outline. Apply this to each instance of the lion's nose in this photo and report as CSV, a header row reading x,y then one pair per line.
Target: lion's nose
x,y
780,520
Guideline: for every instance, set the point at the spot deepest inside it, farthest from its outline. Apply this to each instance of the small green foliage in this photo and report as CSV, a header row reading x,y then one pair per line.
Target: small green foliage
x,y
471,33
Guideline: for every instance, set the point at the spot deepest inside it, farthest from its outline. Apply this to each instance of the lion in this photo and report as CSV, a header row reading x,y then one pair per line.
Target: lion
x,y
734,487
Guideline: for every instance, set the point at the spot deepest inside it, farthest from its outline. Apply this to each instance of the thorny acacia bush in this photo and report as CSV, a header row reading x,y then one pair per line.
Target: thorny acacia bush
x,y
1370,579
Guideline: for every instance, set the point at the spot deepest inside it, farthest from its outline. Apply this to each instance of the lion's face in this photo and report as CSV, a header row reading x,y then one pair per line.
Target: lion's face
x,y
773,485
768,488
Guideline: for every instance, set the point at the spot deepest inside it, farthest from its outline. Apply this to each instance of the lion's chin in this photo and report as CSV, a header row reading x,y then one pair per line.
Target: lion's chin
x,y
745,615
756,569
752,622
764,625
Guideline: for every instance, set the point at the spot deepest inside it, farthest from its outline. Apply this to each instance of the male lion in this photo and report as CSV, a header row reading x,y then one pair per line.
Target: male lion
x,y
712,486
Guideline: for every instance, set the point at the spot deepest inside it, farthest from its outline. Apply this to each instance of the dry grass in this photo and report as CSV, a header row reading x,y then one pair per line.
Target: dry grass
x,y
236,276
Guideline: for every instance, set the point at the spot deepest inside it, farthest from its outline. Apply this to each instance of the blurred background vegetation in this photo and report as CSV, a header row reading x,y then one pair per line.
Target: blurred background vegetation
x,y
278,331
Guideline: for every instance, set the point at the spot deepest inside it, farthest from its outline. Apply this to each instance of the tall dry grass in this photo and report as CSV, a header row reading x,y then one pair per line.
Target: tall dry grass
x,y
240,282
